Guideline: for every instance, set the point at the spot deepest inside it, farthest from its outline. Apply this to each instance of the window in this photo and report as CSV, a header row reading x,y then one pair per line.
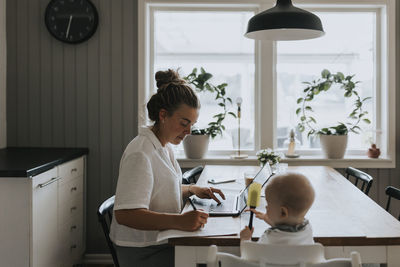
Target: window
x,y
188,38
268,75
349,46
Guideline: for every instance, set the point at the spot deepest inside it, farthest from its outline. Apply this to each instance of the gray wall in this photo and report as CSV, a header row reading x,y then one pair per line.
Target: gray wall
x,y
85,95
3,67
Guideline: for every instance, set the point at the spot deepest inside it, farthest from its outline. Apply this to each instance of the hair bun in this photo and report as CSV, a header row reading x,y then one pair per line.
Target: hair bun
x,y
165,78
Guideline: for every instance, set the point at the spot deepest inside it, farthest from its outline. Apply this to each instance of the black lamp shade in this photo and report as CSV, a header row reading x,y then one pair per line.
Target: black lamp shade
x,y
284,22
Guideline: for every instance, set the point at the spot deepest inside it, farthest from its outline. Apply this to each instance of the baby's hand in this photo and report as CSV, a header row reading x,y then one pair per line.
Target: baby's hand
x,y
259,214
246,233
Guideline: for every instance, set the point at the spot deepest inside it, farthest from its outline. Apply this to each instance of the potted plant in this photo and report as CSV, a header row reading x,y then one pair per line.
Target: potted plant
x,y
333,139
268,155
196,144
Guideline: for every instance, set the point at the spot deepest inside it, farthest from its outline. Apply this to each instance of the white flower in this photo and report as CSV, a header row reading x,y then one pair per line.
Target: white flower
x,y
268,155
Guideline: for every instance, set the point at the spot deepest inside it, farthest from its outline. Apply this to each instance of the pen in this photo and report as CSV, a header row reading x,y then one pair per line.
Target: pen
x,y
191,203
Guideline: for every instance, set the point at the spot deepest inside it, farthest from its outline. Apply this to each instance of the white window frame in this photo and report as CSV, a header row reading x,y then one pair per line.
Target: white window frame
x,y
265,75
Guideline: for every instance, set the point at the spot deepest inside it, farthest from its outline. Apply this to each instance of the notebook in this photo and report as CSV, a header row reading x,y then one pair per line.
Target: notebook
x,y
233,205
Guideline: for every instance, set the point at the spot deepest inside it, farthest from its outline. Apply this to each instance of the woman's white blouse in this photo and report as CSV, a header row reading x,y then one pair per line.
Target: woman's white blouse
x,y
150,178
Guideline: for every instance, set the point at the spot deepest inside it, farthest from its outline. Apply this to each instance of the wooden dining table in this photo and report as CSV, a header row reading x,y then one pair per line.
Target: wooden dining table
x,y
343,219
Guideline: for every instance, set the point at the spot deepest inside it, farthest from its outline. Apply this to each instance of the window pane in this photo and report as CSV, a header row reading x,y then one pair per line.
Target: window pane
x,y
349,47
214,41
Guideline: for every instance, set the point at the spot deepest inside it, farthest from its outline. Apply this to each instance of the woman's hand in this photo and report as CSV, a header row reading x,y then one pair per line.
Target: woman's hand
x,y
206,192
193,220
246,233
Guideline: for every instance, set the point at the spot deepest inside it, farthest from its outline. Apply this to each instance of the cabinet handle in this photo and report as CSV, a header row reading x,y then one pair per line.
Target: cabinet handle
x,y
52,180
73,188
74,170
73,208
73,227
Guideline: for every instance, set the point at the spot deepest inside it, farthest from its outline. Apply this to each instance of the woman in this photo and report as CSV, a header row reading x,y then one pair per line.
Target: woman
x,y
149,194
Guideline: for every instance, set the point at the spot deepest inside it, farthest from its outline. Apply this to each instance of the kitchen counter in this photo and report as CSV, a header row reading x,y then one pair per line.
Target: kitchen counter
x,y
28,161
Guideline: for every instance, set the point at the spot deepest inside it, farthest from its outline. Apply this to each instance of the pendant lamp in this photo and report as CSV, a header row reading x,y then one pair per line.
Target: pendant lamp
x,y
284,22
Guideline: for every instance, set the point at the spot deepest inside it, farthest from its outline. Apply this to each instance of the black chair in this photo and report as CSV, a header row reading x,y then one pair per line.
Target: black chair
x,y
190,176
104,215
392,192
365,178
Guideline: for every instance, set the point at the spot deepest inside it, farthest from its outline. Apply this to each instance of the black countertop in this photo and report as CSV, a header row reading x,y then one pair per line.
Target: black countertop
x,y
29,161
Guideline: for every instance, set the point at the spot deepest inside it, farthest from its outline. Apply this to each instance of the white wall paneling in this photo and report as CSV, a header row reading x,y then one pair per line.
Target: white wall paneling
x,y
84,95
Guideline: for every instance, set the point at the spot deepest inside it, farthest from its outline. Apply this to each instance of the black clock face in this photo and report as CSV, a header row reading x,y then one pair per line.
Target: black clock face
x,y
71,21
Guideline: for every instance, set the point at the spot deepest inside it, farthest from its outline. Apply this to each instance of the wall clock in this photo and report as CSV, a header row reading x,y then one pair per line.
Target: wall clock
x,y
71,21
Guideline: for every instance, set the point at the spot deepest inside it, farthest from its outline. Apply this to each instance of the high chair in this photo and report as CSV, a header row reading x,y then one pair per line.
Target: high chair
x,y
265,255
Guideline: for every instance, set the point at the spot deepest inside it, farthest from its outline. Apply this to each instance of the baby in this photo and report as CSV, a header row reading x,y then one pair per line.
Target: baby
x,y
289,196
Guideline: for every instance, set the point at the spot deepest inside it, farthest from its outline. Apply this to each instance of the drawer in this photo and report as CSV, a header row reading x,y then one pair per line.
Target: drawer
x,y
71,169
70,190
46,178
77,246
70,210
71,249
72,226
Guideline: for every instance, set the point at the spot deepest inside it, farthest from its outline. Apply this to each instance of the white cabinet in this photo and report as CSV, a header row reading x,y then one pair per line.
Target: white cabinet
x,y
44,221
42,217
70,211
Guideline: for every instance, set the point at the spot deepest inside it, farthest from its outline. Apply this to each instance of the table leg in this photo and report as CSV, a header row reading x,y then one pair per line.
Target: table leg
x,y
185,256
393,256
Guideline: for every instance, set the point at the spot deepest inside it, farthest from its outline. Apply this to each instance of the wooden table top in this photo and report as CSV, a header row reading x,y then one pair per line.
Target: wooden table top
x,y
341,215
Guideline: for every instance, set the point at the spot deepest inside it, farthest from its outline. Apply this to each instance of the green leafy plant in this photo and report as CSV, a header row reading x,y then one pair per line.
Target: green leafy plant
x,y
323,84
268,155
201,83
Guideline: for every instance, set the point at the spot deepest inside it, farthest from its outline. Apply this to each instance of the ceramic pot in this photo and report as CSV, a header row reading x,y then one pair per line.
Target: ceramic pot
x,y
373,152
195,146
333,146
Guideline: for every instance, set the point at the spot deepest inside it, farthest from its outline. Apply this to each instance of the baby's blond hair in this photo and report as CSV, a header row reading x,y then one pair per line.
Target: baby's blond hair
x,y
292,190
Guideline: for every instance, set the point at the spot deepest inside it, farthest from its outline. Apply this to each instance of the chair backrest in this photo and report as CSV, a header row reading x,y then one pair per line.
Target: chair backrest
x,y
282,254
365,178
189,177
330,263
219,259
353,261
104,214
392,192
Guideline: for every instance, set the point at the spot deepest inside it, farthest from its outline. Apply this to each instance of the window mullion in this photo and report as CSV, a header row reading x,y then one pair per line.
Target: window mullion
x,y
266,91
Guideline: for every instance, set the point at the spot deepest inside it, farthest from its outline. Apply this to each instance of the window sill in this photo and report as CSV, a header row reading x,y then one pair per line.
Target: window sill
x,y
307,160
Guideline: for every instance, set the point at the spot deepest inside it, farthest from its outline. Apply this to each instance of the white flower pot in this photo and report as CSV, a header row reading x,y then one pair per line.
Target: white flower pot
x,y
333,146
195,146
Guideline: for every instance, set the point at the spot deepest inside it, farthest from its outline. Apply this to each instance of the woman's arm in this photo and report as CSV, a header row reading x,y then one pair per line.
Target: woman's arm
x,y
186,191
201,192
144,219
